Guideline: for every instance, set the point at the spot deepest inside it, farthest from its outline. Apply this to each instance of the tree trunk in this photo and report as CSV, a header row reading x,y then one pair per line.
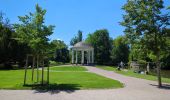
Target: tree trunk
x,y
158,70
43,72
33,65
25,77
48,75
37,68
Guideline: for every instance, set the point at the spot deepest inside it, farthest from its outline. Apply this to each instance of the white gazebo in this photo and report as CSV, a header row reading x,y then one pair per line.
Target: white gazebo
x,y
83,47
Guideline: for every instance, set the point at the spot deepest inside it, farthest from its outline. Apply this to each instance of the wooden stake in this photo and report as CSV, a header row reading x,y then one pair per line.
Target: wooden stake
x,y
33,68
43,72
25,77
48,75
37,68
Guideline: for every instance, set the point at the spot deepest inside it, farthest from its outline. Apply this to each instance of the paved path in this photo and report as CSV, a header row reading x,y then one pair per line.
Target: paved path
x,y
135,89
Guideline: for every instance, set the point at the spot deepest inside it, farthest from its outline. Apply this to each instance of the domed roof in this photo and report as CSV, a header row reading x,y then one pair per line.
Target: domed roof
x,y
82,45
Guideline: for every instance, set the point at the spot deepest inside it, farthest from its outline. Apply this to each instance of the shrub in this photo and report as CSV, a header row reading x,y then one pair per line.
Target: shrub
x,y
54,63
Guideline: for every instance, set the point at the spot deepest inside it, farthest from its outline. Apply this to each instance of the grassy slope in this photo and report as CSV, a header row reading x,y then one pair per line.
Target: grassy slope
x,y
13,79
132,74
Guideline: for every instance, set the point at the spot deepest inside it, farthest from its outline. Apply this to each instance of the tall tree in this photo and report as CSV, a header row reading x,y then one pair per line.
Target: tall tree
x,y
60,52
120,51
5,40
102,46
10,48
146,25
77,38
80,37
34,33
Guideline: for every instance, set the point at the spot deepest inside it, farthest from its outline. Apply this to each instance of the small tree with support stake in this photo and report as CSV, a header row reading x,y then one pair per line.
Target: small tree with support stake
x,y
42,66
34,33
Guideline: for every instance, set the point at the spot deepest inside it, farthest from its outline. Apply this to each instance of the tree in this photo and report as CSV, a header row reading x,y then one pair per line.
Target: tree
x,y
5,41
120,51
33,32
134,52
12,52
80,37
101,42
77,38
165,55
59,51
146,25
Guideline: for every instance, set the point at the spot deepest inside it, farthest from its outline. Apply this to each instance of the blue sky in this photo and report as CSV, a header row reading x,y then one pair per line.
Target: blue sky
x,y
69,16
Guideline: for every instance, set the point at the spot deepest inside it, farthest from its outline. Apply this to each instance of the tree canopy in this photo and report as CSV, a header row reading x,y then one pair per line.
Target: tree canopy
x,y
10,50
59,51
120,51
77,38
146,25
33,31
101,42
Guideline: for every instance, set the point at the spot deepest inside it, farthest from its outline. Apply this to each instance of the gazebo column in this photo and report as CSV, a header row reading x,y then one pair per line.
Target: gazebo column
x,y
76,57
89,54
93,56
87,57
72,56
82,57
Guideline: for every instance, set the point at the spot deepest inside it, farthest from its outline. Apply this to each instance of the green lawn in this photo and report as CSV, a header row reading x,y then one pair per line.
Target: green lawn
x,y
13,79
68,68
132,74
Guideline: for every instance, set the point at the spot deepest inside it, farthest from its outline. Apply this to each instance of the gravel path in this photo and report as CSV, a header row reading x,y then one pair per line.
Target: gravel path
x,y
135,89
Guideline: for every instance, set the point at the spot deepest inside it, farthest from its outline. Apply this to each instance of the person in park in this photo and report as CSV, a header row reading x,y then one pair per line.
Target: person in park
x,y
121,64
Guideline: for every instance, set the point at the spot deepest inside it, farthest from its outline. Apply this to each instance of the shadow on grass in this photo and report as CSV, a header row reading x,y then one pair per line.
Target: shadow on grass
x,y
164,86
54,88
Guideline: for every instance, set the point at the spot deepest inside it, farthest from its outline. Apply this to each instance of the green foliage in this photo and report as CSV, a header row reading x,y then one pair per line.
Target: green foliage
x,y
80,36
120,51
138,52
33,32
165,54
145,24
11,51
59,51
58,44
168,7
54,63
5,40
101,42
142,64
29,36
145,28
77,38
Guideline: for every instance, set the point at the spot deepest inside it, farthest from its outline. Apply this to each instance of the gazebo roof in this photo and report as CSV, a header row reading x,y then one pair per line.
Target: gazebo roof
x,y
82,45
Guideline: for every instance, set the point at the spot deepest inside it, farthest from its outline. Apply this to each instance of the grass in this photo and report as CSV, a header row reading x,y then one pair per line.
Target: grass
x,y
68,68
132,74
85,80
13,79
